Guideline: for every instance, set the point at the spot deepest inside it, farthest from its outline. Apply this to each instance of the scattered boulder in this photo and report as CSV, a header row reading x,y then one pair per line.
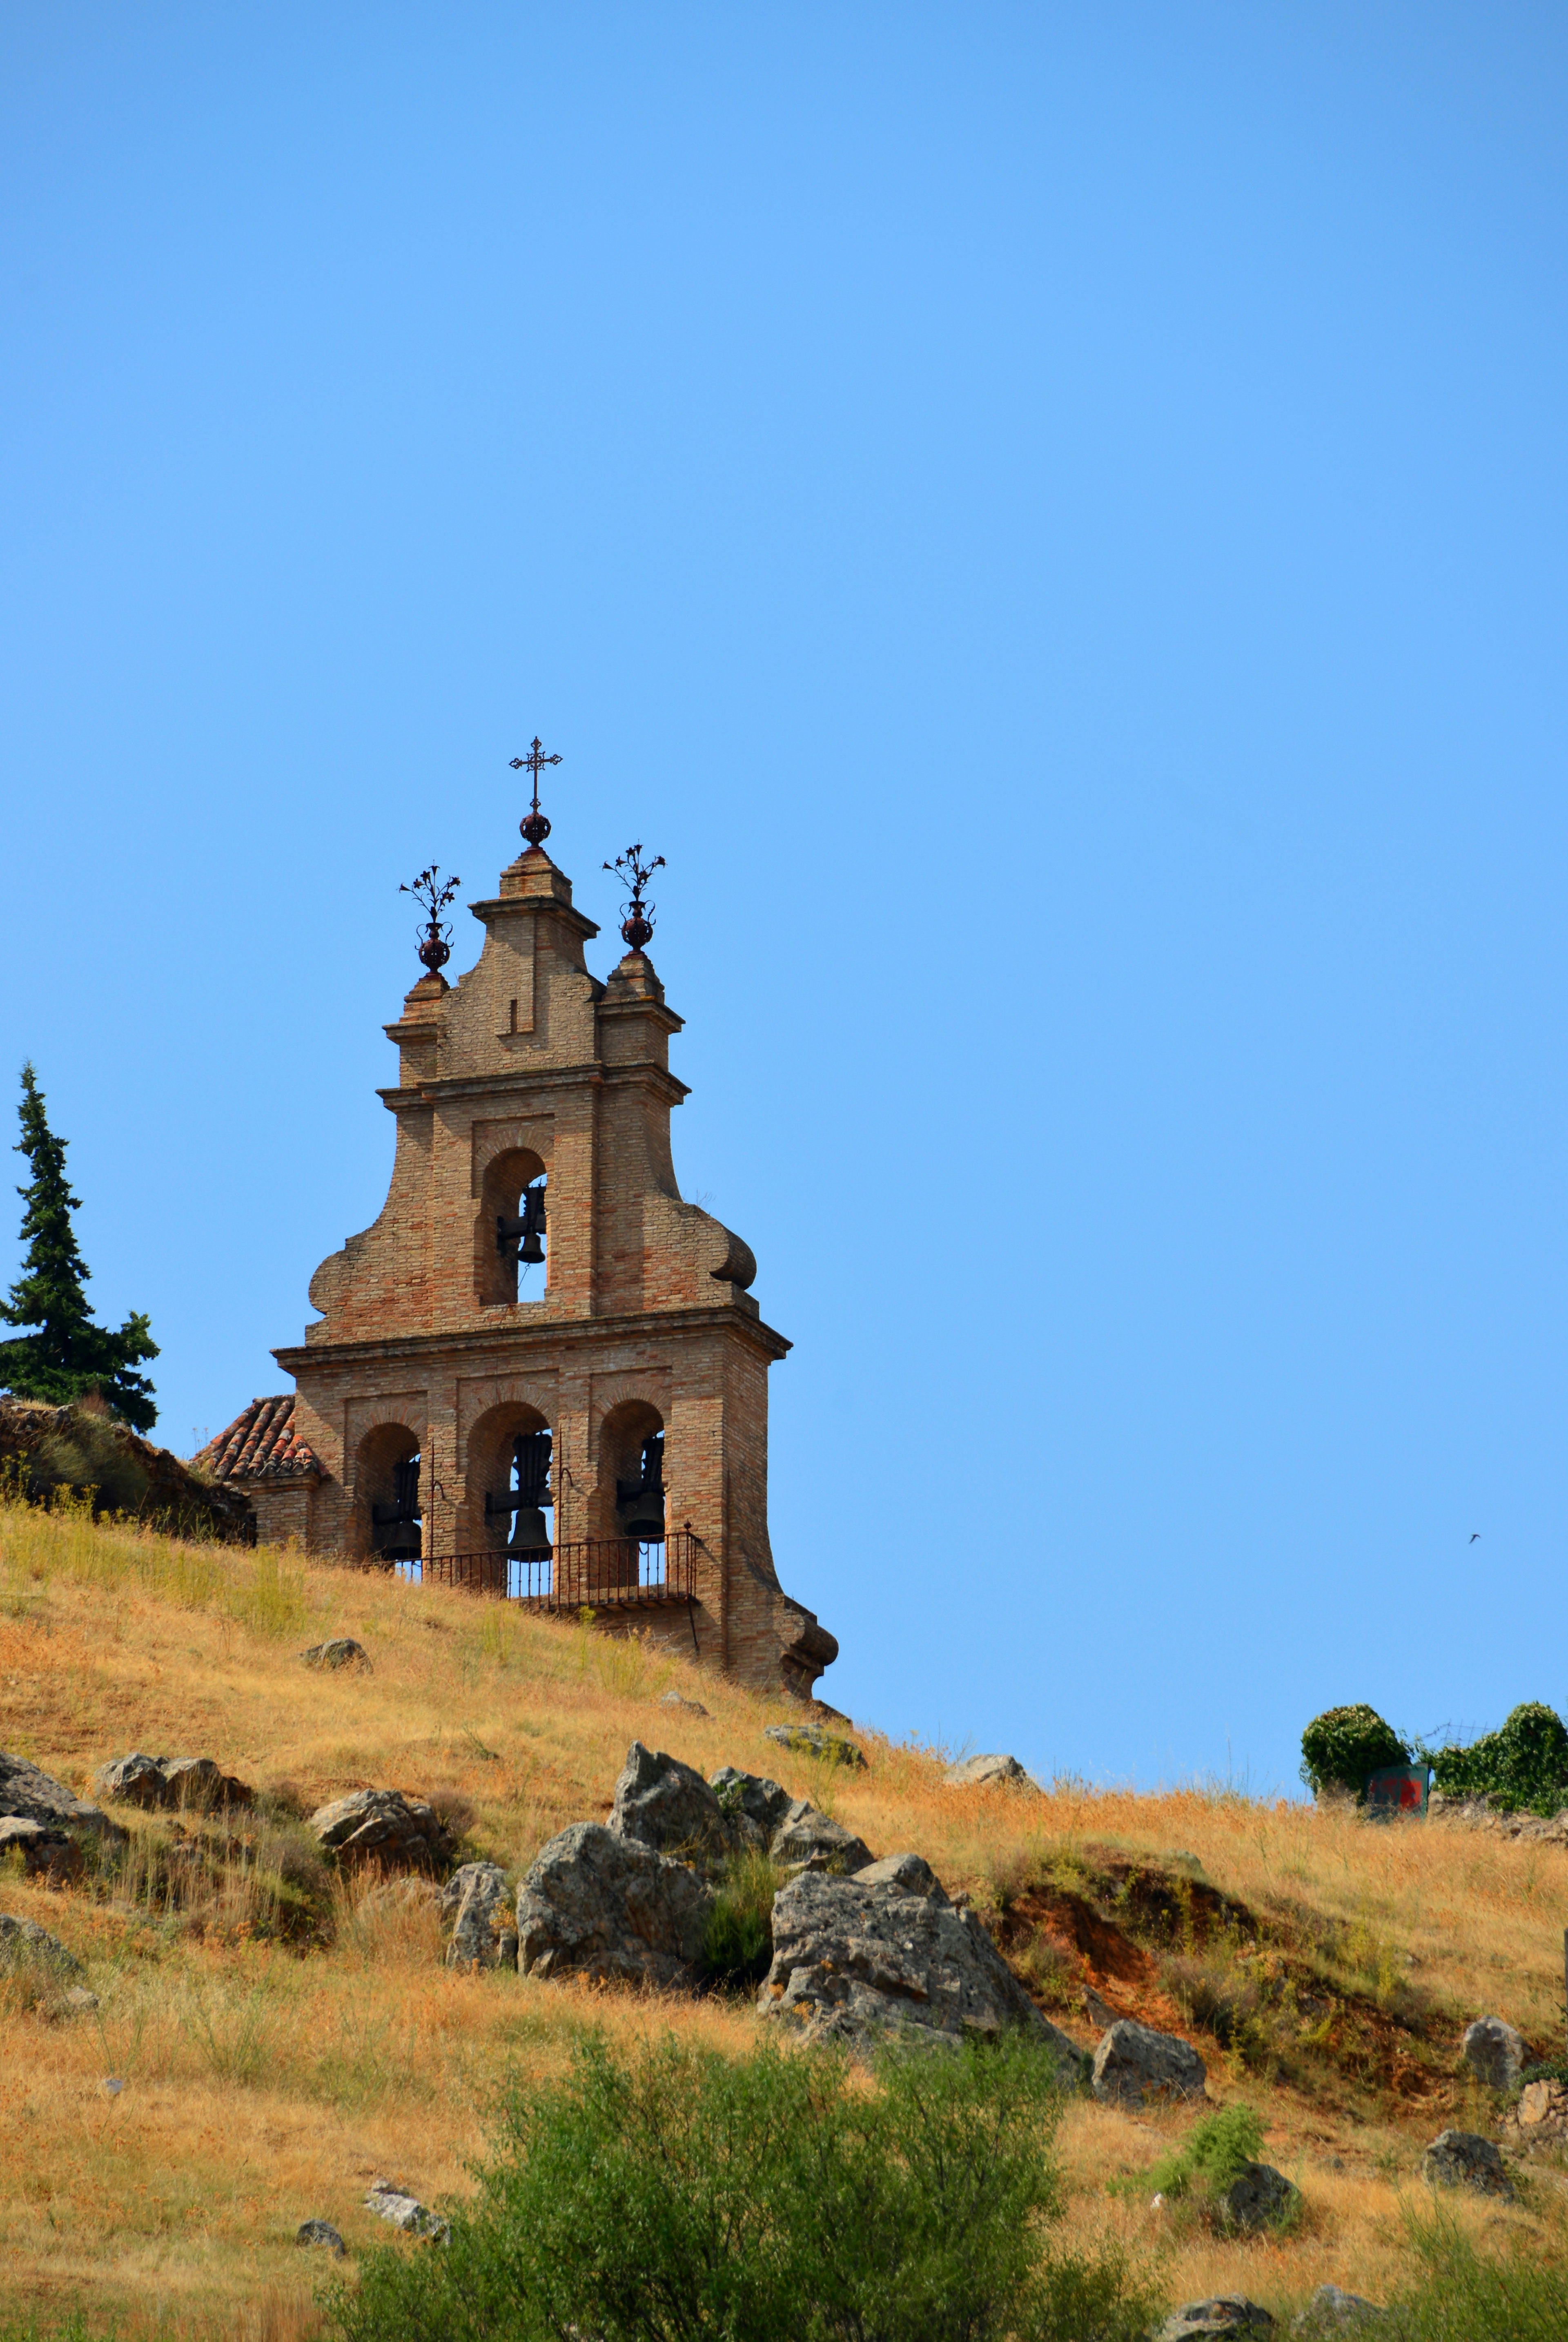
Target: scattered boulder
x,y
170,1783
1135,2065
1541,2113
1227,2313
596,1904
25,1944
689,1707
321,2232
52,1855
856,1959
1462,2158
342,1651
1258,2197
810,1740
483,1935
989,1773
385,1827
668,1806
806,1839
752,1806
1494,2052
1331,2309
27,1795
390,2202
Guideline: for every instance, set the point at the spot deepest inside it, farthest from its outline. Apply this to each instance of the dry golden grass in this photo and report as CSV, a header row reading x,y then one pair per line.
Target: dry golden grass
x,y
265,2085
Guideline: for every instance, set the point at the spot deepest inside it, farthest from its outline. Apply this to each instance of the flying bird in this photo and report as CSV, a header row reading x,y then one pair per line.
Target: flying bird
x,y
1473,1535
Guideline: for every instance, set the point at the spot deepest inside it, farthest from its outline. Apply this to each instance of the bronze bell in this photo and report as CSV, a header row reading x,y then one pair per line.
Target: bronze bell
x,y
529,1534
531,1249
643,1515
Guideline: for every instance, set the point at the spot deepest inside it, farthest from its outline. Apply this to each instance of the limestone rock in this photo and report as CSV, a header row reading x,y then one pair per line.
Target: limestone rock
x,y
668,1806
595,1903
321,2232
1134,2066
1462,2158
989,1773
1541,2113
31,1796
806,1839
49,1854
23,1945
688,1707
1227,2313
1331,2309
1494,2052
170,1783
857,1958
483,1936
810,1740
750,1797
1258,2197
391,2202
342,1651
382,1826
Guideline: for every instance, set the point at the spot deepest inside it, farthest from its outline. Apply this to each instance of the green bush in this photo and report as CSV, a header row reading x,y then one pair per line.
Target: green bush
x,y
679,2197
1523,1763
1462,2297
1340,1748
1215,2152
738,1941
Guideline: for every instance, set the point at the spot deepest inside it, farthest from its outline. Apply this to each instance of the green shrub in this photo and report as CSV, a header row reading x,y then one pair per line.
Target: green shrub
x,y
738,1941
678,2197
1340,1748
1462,2297
1523,1763
1215,2151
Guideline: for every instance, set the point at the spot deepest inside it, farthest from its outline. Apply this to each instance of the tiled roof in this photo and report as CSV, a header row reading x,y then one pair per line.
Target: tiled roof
x,y
261,1444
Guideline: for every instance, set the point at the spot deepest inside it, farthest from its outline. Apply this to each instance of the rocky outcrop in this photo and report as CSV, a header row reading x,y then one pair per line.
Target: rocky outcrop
x,y
1481,1814
175,1783
390,2202
84,1447
33,1797
50,1855
1331,2310
383,1826
1494,2052
989,1773
1462,2158
1540,2117
687,1707
321,2232
1258,2197
605,1906
476,1900
806,1839
668,1806
342,1651
1136,2066
1227,2313
885,1953
812,1740
750,1799
24,1943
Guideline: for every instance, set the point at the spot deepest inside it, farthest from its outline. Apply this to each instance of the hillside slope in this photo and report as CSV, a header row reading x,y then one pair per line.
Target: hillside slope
x,y
282,2036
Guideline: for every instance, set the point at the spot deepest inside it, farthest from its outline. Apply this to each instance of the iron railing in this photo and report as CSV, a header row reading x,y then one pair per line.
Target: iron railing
x,y
589,1574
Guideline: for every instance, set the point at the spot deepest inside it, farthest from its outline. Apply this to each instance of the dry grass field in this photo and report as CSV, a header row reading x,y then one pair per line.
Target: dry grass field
x,y
282,2036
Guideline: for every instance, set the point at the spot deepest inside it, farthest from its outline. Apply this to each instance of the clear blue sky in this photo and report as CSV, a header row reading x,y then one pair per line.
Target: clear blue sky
x,y
1052,520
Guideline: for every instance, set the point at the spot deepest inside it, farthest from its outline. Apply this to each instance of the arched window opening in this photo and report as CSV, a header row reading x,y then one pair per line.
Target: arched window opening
x,y
639,1501
525,1508
628,1504
392,1509
510,1235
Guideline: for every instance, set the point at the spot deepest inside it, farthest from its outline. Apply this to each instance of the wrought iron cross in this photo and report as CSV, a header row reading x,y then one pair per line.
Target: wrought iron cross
x,y
533,825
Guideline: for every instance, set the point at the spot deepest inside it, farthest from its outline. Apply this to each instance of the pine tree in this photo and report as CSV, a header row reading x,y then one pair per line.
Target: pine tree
x,y
69,1356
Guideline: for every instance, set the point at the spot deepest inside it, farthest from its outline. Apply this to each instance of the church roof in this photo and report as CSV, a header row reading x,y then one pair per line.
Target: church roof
x,y
261,1444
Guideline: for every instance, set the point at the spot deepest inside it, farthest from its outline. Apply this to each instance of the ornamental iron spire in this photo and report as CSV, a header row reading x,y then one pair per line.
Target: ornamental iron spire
x,y
637,926
533,825
433,893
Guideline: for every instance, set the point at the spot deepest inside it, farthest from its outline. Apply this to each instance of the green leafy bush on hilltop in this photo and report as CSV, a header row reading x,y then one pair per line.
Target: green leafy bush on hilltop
x,y
1521,1765
1342,1747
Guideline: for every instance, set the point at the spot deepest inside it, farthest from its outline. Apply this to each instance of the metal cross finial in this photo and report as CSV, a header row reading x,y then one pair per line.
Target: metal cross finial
x,y
533,825
433,893
637,926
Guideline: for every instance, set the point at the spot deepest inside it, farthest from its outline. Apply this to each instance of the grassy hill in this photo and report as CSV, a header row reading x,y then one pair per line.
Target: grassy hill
x,y
283,2037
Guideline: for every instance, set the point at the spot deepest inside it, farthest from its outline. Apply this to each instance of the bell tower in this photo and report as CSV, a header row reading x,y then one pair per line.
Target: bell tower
x,y
540,1372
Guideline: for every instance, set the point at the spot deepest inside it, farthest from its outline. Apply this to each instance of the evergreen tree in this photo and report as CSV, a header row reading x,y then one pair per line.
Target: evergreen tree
x,y
69,1356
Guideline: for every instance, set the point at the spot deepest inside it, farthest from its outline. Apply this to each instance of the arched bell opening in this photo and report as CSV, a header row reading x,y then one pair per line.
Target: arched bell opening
x,y
512,1238
628,1501
511,1496
389,1519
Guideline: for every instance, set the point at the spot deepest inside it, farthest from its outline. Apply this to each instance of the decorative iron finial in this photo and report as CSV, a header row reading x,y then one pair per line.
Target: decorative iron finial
x,y
533,825
637,926
430,890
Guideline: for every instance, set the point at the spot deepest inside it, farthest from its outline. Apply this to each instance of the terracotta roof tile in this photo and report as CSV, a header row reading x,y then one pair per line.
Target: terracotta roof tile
x,y
261,1444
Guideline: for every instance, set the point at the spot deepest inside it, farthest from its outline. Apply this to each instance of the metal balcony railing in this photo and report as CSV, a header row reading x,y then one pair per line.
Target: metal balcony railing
x,y
590,1574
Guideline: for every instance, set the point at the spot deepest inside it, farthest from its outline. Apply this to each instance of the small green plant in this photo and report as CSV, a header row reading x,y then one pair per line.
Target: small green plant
x,y
738,1942
1215,2151
1342,1747
1523,1763
1463,2296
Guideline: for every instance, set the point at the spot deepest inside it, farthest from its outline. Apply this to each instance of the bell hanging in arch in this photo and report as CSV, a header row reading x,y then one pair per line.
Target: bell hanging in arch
x,y
529,1534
